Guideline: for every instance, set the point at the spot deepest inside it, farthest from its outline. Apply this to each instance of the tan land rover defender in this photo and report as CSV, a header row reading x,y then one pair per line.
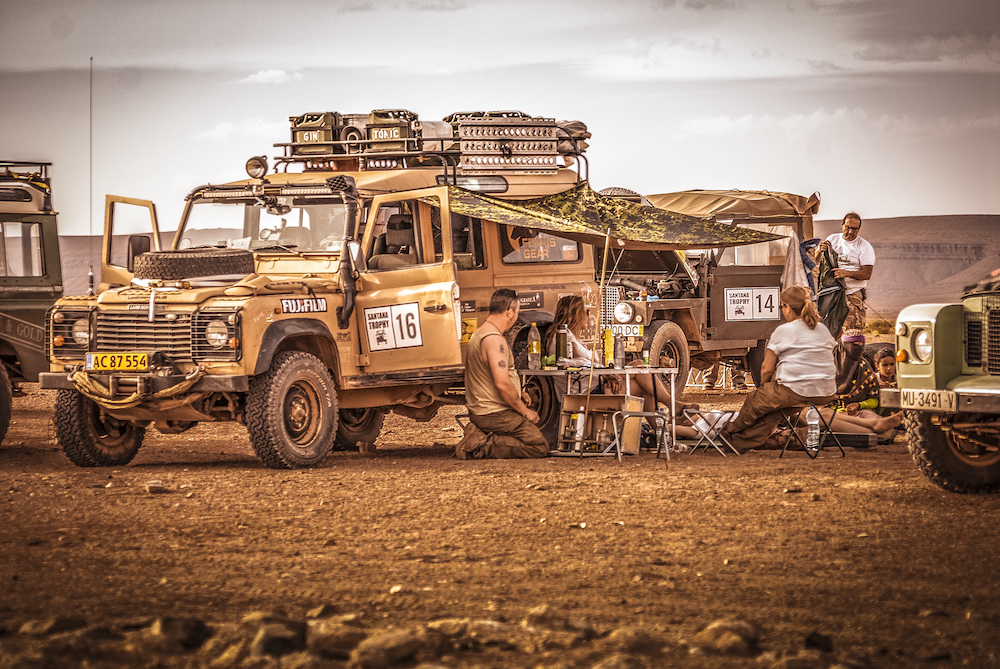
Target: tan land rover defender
x,y
307,302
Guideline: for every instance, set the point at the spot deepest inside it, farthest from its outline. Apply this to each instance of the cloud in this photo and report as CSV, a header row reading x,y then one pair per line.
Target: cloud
x,y
699,5
436,5
843,121
794,126
939,127
250,128
929,49
270,77
824,66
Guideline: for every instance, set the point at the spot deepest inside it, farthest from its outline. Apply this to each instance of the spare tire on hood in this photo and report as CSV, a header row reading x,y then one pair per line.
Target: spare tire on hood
x,y
188,263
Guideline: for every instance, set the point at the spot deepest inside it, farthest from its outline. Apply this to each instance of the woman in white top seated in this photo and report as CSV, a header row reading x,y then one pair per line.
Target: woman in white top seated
x,y
798,368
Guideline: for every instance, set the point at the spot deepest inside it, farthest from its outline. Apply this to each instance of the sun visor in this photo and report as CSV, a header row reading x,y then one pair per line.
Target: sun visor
x,y
586,216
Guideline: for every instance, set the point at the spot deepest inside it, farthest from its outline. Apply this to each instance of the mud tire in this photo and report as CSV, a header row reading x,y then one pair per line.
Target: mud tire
x,y
939,455
6,403
668,347
354,425
755,360
91,438
292,412
184,264
544,400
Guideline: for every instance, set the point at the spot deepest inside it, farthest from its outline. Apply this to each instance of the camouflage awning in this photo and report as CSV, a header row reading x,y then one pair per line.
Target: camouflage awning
x,y
586,216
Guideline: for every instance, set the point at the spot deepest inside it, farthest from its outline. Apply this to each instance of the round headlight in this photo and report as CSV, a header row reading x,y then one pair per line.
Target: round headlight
x,y
922,345
257,167
624,312
81,331
901,329
216,334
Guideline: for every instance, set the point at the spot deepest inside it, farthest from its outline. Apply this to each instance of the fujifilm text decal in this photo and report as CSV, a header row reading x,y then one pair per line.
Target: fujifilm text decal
x,y
303,305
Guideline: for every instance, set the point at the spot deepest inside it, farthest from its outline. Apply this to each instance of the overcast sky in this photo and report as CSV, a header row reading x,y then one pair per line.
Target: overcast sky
x,y
887,107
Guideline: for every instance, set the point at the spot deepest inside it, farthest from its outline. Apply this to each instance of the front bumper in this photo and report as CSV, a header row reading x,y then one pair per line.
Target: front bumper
x,y
149,383
968,402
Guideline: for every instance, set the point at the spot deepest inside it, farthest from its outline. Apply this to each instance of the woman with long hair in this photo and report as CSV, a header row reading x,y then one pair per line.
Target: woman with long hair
x,y
570,311
798,368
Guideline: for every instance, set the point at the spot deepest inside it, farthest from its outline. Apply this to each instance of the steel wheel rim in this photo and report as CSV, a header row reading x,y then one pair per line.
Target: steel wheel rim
x,y
301,411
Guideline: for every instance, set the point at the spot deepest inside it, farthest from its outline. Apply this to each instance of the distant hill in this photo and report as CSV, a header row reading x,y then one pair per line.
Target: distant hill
x,y
920,258
925,258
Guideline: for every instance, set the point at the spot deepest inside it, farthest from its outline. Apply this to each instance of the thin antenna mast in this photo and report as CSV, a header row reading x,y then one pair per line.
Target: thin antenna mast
x,y
90,209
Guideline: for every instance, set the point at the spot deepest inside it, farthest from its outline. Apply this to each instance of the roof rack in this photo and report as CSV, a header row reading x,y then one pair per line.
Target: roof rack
x,y
25,186
478,142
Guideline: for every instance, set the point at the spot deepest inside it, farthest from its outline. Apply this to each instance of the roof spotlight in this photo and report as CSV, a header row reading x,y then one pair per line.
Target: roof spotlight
x,y
257,167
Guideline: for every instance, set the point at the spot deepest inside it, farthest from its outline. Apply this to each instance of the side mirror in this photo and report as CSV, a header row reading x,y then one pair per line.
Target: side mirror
x,y
137,245
354,249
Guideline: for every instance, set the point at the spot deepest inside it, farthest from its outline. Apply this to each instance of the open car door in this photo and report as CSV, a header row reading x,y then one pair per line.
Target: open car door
x,y
407,303
130,229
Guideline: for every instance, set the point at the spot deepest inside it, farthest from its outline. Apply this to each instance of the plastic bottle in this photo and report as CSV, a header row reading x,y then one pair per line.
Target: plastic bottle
x,y
534,348
812,436
609,348
562,342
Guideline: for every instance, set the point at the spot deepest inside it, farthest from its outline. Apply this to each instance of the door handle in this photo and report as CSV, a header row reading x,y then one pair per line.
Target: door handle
x,y
436,307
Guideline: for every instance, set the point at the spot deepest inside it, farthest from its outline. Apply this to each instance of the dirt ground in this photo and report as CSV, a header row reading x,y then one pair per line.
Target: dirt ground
x,y
862,549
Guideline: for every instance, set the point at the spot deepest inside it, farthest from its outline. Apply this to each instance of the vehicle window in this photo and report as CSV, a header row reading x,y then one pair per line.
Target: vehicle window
x,y
298,223
467,241
520,245
396,240
765,253
20,249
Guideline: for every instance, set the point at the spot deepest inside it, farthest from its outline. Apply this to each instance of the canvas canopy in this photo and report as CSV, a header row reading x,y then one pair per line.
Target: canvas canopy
x,y
586,216
730,204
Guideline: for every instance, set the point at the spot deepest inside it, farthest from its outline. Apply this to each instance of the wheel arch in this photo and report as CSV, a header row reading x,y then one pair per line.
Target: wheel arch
x,y
685,320
298,334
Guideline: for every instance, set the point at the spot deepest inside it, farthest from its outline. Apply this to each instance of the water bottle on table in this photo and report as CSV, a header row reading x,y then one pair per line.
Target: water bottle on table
x,y
534,348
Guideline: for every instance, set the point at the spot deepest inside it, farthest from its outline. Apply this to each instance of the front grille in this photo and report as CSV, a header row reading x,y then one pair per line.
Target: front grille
x,y
982,336
132,331
993,342
612,296
973,339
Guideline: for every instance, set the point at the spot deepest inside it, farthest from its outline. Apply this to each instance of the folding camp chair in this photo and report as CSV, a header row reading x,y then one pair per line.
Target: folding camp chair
x,y
708,425
791,419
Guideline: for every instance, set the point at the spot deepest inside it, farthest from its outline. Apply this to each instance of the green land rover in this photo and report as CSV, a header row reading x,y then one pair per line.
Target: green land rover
x,y
948,371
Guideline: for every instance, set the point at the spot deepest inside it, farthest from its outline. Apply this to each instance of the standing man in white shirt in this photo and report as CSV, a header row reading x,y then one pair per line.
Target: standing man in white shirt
x,y
855,261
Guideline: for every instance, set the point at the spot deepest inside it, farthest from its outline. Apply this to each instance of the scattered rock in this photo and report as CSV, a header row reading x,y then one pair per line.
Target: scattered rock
x,y
51,626
334,640
322,611
278,638
804,659
549,618
732,636
155,487
388,648
187,632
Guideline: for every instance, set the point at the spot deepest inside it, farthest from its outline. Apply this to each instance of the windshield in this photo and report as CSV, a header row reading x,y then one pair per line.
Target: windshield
x,y
298,223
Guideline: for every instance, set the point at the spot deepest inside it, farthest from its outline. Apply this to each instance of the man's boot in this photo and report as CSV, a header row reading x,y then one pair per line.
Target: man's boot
x,y
472,444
